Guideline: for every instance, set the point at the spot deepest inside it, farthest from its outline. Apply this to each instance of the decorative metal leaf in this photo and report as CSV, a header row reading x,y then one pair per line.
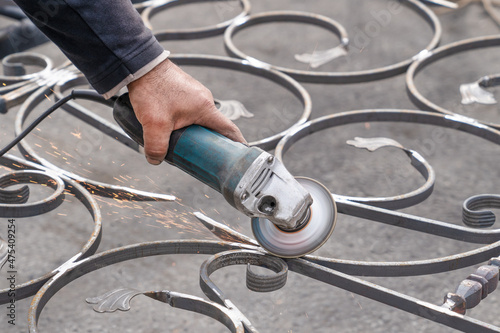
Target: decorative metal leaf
x,y
373,144
318,58
233,109
474,93
4,253
118,299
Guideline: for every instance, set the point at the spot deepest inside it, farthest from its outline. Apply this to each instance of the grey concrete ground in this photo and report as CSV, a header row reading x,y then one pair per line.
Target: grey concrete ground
x,y
465,166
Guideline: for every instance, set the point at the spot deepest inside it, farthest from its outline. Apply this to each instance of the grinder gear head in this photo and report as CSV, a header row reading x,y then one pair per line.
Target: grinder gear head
x,y
313,231
268,190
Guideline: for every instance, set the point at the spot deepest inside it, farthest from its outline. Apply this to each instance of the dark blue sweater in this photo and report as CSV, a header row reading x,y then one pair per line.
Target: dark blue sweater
x,y
105,39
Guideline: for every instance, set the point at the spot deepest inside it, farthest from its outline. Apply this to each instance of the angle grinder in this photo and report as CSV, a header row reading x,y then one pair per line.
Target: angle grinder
x,y
290,217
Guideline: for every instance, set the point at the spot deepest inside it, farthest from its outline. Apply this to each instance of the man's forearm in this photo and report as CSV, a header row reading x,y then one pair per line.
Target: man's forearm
x,y
105,39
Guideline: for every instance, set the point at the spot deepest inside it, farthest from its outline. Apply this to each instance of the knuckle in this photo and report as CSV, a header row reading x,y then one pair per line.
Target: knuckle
x,y
207,103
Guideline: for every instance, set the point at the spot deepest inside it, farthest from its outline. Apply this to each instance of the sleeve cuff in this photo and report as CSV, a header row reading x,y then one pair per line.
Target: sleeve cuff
x,y
141,72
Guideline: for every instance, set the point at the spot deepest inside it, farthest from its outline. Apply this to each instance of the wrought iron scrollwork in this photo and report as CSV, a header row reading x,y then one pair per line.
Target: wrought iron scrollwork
x,y
234,247
330,77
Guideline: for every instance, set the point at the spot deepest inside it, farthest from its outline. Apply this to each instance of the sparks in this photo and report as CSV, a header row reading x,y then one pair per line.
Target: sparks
x,y
77,134
48,97
118,179
48,153
39,137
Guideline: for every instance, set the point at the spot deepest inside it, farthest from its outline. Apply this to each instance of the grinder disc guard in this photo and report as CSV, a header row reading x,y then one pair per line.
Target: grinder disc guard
x,y
308,238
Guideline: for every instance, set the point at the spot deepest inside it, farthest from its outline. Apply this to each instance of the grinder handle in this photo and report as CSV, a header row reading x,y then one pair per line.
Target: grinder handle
x,y
125,117
204,154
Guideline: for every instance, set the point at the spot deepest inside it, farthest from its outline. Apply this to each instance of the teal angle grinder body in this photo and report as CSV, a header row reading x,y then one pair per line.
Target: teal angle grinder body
x,y
290,216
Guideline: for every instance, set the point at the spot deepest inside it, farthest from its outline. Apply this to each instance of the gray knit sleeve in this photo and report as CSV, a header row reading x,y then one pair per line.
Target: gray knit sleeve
x,y
105,39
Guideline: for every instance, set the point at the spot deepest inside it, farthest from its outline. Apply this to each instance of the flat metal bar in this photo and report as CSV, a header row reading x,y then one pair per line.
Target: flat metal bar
x,y
389,297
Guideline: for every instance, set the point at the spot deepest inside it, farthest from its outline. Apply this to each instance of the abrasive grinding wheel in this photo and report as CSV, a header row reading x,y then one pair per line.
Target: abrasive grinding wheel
x,y
313,233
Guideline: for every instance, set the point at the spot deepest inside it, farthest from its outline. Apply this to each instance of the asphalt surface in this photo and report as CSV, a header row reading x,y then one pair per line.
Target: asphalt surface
x,y
380,35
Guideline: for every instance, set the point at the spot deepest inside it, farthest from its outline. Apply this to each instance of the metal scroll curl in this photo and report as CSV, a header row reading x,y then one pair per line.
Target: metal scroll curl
x,y
14,67
394,202
330,77
18,85
368,210
443,52
155,8
32,173
103,259
416,160
474,213
10,208
315,60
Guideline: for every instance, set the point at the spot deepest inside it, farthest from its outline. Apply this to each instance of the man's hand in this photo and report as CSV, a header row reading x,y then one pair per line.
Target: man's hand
x,y
167,99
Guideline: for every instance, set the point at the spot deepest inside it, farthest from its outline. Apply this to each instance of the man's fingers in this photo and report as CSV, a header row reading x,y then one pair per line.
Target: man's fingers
x,y
166,99
215,120
156,139
157,131
235,135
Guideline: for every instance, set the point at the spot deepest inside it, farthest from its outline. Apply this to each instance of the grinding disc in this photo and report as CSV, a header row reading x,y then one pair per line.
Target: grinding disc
x,y
310,237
